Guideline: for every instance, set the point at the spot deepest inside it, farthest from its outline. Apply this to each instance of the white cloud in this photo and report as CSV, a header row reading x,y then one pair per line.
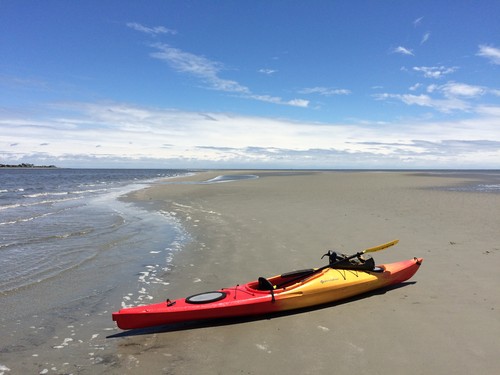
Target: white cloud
x,y
298,103
325,91
425,38
489,52
494,92
150,30
199,66
418,21
186,62
422,100
403,51
454,89
434,71
432,88
277,100
127,135
209,72
489,111
267,71
415,87
446,98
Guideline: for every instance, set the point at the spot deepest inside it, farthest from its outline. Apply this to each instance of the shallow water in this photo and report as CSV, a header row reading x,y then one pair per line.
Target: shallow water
x,y
70,254
52,221
481,181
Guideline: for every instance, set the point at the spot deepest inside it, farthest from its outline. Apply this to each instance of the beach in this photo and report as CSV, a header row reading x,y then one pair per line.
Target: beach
x,y
446,319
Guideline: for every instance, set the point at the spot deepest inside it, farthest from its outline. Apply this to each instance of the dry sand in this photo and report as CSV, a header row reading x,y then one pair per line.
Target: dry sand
x,y
447,321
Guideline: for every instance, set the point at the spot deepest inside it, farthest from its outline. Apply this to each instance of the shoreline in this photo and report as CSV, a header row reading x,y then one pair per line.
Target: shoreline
x,y
59,324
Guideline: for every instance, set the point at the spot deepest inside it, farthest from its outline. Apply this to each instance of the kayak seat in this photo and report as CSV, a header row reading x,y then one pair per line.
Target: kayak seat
x,y
265,284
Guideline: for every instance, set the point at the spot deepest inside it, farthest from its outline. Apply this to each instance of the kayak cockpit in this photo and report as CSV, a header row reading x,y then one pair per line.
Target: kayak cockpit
x,y
283,281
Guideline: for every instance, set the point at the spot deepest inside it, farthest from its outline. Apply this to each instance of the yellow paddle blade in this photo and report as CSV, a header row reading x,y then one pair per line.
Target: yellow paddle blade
x,y
380,247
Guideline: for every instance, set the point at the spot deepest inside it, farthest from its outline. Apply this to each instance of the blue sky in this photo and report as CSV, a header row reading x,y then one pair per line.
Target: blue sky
x,y
250,84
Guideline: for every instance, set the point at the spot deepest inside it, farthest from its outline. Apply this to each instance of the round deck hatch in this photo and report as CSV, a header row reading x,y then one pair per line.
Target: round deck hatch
x,y
206,297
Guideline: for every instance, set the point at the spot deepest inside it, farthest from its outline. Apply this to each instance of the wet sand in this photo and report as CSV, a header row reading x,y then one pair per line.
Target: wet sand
x,y
445,320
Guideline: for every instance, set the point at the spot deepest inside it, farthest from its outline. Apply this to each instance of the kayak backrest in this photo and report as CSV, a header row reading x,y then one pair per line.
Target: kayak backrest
x,y
264,284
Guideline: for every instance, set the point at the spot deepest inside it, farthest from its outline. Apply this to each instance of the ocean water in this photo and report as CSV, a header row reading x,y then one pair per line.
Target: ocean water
x,y
71,252
53,221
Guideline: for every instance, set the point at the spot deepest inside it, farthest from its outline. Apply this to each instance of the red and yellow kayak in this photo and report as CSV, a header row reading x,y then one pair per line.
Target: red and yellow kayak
x,y
289,291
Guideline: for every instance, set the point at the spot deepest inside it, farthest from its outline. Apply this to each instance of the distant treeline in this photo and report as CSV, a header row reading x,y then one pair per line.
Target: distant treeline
x,y
26,165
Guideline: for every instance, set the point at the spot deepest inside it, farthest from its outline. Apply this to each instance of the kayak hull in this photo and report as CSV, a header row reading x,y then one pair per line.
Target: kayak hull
x,y
326,286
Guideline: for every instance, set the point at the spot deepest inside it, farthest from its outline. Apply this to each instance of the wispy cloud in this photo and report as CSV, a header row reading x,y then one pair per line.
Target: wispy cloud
x,y
456,89
150,30
489,52
415,87
209,72
424,100
186,62
199,66
418,21
403,51
325,91
267,71
277,100
434,71
444,148
27,83
425,38
446,98
495,92
298,103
